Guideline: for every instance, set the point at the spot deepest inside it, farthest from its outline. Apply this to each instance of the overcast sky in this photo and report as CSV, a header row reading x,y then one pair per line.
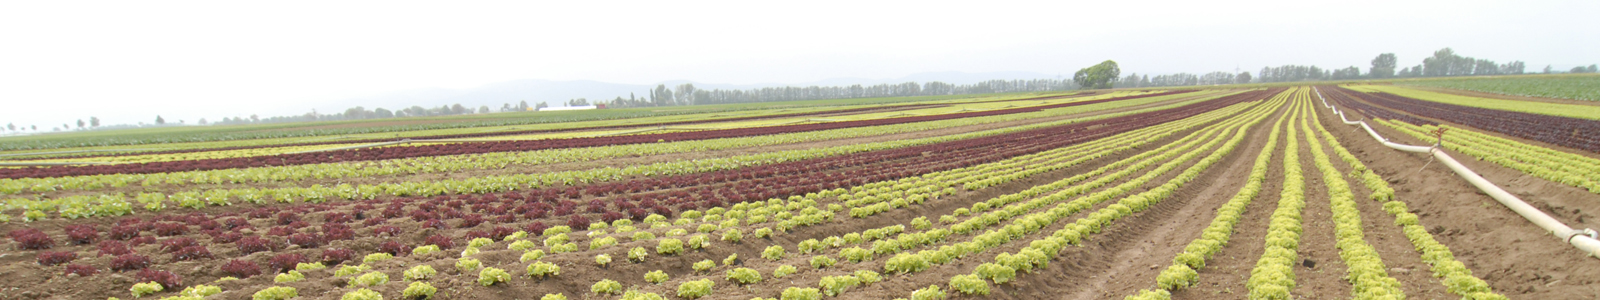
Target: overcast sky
x,y
128,61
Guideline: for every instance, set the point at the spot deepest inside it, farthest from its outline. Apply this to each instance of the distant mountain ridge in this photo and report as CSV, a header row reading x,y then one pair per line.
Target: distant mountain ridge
x,y
557,92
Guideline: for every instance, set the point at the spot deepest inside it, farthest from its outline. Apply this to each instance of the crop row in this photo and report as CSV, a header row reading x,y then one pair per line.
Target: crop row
x,y
1457,278
1577,133
273,134
281,145
1041,250
1366,272
556,241
688,215
905,241
289,217
835,284
109,205
1342,99
829,285
1578,111
1364,269
882,192
1273,276
153,157
385,153
1576,86
556,124
455,163
475,202
902,262
1002,207
316,194
1067,157
492,135
551,197
1565,168
1184,269
882,243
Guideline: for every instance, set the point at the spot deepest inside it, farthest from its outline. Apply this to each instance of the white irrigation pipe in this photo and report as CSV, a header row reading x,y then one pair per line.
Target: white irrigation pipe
x,y
1584,239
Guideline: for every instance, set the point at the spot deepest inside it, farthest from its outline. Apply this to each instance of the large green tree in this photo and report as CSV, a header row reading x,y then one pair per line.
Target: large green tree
x,y
1383,66
1098,76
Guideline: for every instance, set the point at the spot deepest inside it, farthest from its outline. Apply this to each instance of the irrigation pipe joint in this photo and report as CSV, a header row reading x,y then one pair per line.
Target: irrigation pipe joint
x,y
1583,232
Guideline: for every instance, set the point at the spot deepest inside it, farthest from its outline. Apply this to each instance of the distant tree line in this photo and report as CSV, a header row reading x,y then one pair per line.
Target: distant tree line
x,y
13,128
688,94
1136,80
1444,62
362,113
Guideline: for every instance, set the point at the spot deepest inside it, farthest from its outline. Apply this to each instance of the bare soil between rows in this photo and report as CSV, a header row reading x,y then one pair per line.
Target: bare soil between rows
x,y
1136,250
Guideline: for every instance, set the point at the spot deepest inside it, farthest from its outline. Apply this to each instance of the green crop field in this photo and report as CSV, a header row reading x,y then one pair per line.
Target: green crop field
x,y
1227,190
1574,86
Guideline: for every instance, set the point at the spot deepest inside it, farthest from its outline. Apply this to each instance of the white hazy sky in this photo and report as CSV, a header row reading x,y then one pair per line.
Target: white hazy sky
x,y
128,61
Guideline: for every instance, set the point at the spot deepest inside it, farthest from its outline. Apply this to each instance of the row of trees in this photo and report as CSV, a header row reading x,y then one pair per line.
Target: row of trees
x,y
362,113
1136,80
1593,68
13,127
688,94
1444,62
94,122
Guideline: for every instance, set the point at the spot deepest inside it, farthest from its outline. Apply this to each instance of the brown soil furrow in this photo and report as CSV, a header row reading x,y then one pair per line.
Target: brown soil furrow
x,y
1226,272
1194,209
1325,278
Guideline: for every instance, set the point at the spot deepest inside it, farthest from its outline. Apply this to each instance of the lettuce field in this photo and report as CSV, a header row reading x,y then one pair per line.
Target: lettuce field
x,y
1216,193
